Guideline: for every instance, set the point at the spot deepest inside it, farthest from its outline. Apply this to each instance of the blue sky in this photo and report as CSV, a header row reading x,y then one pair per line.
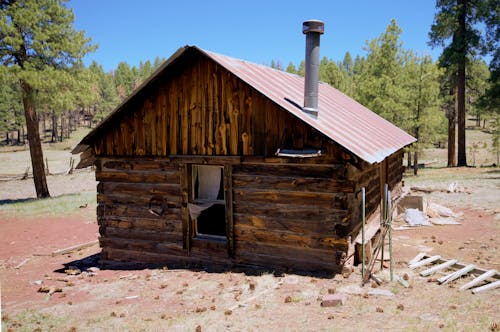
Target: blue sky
x,y
254,30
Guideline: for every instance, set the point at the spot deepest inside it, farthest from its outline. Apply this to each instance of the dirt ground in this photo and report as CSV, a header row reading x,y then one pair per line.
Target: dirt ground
x,y
188,300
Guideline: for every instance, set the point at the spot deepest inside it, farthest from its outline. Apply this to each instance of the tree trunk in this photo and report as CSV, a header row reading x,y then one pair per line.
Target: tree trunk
x,y
415,163
53,139
409,160
462,157
451,140
7,137
35,144
62,127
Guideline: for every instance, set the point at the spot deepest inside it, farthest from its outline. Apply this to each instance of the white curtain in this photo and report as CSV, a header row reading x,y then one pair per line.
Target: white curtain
x,y
208,179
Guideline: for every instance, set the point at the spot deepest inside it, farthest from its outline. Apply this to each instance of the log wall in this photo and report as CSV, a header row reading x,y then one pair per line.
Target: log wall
x,y
289,215
285,215
128,190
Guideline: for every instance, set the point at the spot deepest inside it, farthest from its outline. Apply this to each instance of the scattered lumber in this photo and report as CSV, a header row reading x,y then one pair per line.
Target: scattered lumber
x,y
74,248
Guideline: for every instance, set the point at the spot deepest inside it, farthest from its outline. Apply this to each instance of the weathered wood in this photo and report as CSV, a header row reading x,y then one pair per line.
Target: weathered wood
x,y
327,256
307,184
479,279
417,258
295,218
187,229
74,248
137,164
291,170
325,200
457,274
245,233
133,211
286,263
439,267
138,177
151,224
424,262
228,196
167,189
140,234
206,160
491,285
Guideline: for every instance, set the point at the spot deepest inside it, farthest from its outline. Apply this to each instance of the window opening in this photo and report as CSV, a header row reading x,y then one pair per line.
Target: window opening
x,y
207,208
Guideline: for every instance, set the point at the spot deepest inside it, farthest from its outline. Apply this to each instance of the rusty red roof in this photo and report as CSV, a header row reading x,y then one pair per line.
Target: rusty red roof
x,y
341,118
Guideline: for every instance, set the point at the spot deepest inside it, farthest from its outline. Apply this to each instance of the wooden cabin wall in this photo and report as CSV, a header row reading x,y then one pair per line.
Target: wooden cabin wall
x,y
205,110
128,231
371,177
291,215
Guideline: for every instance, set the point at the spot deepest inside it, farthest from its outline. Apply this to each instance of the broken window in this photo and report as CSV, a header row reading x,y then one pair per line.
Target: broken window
x,y
207,207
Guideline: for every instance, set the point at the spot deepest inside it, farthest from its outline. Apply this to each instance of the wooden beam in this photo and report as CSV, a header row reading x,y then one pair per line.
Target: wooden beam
x,y
491,285
476,281
75,247
457,274
417,258
228,194
436,268
424,262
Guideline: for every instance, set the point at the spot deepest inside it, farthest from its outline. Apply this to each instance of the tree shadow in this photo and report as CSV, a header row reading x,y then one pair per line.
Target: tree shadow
x,y
18,200
94,260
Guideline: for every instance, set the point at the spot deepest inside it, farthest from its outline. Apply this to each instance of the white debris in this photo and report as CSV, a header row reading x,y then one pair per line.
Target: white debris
x,y
444,221
415,217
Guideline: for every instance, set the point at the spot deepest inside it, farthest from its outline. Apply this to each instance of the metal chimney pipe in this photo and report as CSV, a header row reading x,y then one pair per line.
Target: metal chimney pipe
x,y
312,29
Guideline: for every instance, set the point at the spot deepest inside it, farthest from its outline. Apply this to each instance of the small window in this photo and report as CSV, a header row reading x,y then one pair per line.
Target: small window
x,y
207,206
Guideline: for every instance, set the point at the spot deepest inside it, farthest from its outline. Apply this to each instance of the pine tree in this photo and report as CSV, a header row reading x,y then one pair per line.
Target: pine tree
x,y
380,78
456,24
37,41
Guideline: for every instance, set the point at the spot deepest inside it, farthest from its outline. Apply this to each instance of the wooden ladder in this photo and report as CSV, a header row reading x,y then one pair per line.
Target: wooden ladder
x,y
485,277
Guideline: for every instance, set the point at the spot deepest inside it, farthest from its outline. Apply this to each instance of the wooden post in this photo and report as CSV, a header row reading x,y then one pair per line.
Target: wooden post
x,y
228,195
363,216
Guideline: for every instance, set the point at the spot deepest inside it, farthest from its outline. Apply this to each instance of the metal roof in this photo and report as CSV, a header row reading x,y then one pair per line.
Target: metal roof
x,y
341,118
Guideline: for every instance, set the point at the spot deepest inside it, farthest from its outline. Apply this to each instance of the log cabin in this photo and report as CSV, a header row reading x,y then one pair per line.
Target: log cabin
x,y
218,161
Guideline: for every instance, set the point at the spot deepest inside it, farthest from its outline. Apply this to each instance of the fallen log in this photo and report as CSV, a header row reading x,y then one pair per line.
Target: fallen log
x,y
74,248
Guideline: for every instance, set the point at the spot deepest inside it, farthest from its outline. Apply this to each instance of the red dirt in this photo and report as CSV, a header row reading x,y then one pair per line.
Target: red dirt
x,y
35,239
182,299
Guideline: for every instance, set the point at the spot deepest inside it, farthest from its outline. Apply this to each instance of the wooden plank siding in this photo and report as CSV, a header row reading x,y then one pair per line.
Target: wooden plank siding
x,y
206,110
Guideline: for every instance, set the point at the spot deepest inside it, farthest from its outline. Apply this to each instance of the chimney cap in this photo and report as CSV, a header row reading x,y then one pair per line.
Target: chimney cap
x,y
313,26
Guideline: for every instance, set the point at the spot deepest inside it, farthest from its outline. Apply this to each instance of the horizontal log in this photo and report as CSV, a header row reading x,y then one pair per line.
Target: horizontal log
x,y
130,244
206,160
308,184
174,225
168,201
300,211
331,159
135,256
137,164
251,234
320,256
270,197
286,263
166,189
290,170
140,234
172,177
134,211
304,226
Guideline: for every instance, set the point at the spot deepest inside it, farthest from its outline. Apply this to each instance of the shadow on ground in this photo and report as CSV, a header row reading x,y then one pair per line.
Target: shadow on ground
x,y
95,261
